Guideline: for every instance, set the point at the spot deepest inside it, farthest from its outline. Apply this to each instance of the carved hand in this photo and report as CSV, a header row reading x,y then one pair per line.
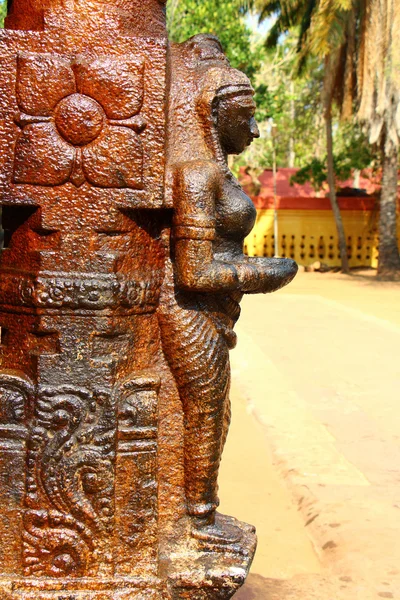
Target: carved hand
x,y
264,275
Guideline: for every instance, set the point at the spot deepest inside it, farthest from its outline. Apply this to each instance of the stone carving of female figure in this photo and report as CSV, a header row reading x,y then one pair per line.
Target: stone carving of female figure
x,y
211,116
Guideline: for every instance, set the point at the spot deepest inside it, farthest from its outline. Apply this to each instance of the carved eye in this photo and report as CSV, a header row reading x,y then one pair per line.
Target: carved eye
x,y
129,410
64,563
92,483
94,296
60,419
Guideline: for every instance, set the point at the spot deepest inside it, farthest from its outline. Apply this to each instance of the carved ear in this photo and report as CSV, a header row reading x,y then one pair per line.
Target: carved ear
x,y
16,392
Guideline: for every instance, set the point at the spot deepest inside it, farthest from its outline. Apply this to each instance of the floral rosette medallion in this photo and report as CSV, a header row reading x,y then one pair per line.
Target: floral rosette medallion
x,y
80,121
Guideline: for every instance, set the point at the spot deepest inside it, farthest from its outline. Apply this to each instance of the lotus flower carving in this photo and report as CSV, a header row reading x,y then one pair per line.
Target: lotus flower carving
x,y
79,121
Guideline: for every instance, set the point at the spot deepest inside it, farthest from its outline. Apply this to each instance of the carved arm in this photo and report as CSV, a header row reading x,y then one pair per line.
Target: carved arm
x,y
196,186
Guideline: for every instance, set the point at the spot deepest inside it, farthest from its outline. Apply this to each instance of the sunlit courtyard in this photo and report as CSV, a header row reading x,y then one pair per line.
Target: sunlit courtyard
x,y
315,411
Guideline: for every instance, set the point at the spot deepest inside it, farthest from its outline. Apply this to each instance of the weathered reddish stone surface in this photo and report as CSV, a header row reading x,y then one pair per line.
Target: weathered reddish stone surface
x,y
120,279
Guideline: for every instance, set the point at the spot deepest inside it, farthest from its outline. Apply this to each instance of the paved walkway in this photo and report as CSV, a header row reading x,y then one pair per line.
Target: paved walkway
x,y
314,453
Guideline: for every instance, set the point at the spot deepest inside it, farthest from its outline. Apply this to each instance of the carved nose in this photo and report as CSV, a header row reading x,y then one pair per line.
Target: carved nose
x,y
255,132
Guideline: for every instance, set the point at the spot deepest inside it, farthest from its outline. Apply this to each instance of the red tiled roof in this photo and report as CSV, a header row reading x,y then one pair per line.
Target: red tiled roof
x,y
284,189
304,196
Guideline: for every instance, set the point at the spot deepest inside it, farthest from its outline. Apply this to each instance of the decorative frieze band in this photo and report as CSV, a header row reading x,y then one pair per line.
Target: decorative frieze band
x,y
78,291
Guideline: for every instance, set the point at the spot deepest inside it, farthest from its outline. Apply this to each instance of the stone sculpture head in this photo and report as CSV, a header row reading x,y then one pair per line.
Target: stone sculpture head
x,y
233,116
212,100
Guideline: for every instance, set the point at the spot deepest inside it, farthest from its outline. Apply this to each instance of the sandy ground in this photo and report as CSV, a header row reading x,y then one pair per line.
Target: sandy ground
x,y
313,456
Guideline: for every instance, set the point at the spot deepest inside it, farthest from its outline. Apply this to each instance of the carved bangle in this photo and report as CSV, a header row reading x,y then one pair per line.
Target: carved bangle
x,y
188,232
194,221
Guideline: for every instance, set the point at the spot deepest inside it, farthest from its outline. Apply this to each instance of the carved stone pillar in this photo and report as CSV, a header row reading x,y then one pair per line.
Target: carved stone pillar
x,y
110,364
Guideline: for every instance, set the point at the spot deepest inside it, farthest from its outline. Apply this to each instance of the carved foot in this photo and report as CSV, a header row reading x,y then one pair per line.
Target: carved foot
x,y
215,564
216,533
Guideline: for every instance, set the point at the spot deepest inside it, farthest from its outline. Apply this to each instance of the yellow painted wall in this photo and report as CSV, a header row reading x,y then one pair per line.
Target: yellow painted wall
x,y
310,235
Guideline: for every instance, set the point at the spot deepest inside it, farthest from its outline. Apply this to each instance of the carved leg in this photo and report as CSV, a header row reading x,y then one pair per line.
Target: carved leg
x,y
199,360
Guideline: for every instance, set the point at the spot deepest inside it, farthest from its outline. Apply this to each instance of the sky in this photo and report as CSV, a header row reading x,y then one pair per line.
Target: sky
x,y
252,22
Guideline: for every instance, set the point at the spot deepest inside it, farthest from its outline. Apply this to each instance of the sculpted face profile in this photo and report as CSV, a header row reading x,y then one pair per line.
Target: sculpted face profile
x,y
211,116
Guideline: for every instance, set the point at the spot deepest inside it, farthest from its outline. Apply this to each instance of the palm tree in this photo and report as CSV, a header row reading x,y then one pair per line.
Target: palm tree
x,y
359,41
300,14
378,79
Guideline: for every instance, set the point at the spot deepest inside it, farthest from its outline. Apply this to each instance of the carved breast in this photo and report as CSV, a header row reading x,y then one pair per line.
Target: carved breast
x,y
235,213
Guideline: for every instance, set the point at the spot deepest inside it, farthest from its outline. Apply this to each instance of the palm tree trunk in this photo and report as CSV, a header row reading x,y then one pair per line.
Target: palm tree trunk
x,y
389,258
292,154
332,193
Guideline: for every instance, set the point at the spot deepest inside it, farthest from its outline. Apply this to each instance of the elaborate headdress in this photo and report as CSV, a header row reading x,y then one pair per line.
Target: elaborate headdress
x,y
201,76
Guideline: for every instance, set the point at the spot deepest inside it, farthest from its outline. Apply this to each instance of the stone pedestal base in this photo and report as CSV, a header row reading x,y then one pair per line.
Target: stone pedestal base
x,y
113,589
185,574
204,575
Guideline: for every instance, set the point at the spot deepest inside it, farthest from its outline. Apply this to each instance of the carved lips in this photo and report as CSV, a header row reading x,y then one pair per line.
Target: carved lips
x,y
79,121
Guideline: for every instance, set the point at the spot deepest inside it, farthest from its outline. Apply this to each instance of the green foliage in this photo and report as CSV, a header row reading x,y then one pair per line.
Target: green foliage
x,y
292,101
353,153
288,96
3,12
293,105
321,25
314,172
353,150
223,18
